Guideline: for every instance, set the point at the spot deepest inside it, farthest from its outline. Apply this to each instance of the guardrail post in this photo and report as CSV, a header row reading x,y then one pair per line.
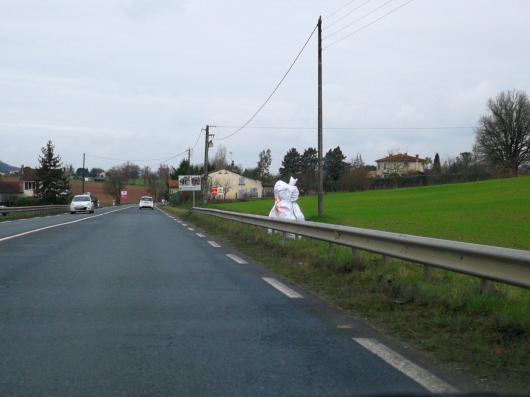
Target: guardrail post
x,y
486,286
385,260
427,272
355,255
331,248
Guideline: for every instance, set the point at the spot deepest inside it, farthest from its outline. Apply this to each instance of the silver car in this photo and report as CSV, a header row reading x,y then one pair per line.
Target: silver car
x,y
82,203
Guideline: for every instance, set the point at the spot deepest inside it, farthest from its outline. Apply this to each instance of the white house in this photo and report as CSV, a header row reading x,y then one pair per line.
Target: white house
x,y
234,186
400,164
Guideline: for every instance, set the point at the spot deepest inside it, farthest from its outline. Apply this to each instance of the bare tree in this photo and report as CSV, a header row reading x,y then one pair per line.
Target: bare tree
x,y
219,159
115,182
503,135
264,163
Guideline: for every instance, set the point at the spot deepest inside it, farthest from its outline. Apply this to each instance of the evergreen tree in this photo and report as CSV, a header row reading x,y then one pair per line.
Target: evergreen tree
x,y
334,166
309,170
291,164
436,166
52,184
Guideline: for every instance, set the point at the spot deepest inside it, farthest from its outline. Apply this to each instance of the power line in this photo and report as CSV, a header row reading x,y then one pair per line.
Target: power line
x,y
339,9
358,19
197,141
345,15
368,24
273,91
280,128
137,160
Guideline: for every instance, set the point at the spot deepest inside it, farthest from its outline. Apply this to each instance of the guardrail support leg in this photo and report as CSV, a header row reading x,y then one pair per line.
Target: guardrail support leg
x,y
427,272
485,286
355,255
385,260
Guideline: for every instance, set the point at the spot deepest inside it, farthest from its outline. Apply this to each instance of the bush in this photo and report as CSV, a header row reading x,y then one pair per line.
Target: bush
x,y
27,201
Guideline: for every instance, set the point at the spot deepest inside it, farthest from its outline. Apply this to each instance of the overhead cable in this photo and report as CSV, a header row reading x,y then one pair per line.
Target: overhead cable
x,y
273,91
368,24
329,25
357,20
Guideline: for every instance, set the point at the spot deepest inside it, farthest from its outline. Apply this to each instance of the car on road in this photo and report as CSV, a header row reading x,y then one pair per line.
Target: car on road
x,y
146,202
82,203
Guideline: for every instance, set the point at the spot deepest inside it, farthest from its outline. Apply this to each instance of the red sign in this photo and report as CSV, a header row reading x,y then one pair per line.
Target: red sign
x,y
123,196
213,191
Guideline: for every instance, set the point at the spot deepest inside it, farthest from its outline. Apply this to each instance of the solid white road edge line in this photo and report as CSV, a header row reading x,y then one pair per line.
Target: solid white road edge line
x,y
237,259
200,235
214,244
40,229
431,382
282,288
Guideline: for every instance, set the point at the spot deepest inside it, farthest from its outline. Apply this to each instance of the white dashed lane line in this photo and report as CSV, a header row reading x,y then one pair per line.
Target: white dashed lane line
x,y
431,382
214,244
183,224
191,229
282,288
200,235
237,259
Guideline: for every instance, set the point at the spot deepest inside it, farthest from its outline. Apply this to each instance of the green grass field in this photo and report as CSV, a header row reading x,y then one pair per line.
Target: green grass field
x,y
495,212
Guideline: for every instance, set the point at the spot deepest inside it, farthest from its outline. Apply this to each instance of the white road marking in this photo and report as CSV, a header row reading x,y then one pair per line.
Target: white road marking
x,y
237,259
57,225
200,235
191,229
282,288
183,224
214,244
431,382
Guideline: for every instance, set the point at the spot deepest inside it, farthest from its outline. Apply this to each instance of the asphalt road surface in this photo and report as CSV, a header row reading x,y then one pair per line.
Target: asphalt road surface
x,y
133,303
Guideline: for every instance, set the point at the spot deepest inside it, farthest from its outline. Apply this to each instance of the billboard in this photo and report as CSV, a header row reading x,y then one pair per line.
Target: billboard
x,y
189,183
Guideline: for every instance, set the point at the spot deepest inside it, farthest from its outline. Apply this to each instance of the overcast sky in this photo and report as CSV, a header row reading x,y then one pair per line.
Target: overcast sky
x,y
138,79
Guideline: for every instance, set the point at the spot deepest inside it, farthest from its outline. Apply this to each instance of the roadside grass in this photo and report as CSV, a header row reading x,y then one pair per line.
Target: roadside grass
x,y
486,335
494,212
26,215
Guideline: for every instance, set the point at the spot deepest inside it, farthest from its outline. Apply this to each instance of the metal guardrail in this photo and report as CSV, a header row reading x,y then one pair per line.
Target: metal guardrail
x,y
36,208
504,265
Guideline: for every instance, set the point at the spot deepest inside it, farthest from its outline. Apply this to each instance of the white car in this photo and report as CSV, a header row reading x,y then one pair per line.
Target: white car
x,y
82,203
146,202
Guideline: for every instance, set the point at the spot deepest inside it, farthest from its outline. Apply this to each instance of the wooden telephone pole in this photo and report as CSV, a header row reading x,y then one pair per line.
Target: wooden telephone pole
x,y
83,173
320,161
206,147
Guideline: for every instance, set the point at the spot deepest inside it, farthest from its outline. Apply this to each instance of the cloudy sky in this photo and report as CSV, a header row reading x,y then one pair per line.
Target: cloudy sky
x,y
138,79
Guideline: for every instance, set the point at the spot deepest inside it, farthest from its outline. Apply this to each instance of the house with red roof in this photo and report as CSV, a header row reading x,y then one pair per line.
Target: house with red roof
x,y
400,164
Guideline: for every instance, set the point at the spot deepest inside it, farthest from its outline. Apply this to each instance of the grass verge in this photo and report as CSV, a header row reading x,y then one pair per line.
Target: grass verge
x,y
485,335
24,215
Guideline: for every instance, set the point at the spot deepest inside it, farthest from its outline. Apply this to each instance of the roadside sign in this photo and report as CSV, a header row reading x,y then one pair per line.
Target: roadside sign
x,y
189,183
123,195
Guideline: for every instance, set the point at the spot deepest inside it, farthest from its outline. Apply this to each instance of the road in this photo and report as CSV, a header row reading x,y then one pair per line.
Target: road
x,y
133,303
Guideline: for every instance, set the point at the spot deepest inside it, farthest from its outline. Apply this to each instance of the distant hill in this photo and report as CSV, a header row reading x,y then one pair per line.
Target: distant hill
x,y
6,168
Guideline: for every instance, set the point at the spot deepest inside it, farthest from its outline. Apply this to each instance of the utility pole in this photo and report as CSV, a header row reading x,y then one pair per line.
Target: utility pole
x,y
83,173
206,147
320,165
189,156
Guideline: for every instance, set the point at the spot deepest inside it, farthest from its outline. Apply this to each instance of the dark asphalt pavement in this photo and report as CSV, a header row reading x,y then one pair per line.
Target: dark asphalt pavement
x,y
132,303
